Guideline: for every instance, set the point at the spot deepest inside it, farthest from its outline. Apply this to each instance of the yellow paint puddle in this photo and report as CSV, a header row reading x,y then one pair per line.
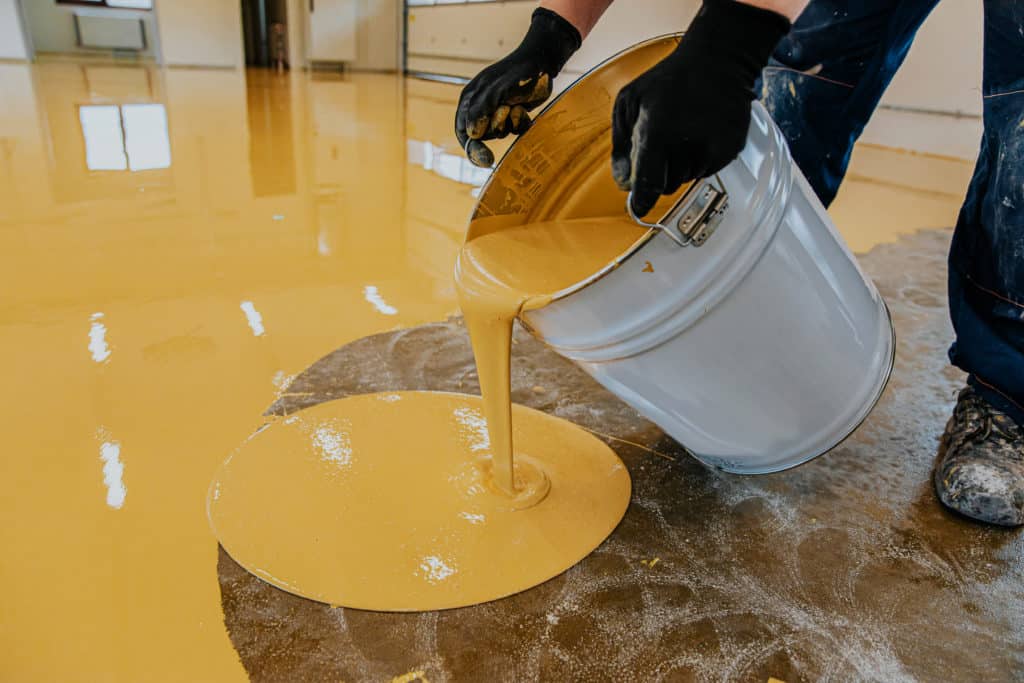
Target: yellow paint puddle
x,y
387,502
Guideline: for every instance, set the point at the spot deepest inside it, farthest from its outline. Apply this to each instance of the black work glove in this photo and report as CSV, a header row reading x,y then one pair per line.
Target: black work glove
x,y
494,104
687,117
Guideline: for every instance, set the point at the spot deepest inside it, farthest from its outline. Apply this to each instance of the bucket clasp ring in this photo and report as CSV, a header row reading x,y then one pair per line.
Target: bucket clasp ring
x,y
694,216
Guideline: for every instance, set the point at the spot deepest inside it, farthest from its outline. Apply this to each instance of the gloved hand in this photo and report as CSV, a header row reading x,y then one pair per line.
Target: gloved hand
x,y
687,117
496,102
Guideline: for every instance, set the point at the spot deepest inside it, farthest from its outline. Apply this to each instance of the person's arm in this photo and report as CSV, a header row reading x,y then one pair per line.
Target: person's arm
x,y
495,103
583,14
687,117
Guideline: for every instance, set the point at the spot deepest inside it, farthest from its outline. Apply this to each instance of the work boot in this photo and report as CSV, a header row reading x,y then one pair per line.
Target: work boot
x,y
979,471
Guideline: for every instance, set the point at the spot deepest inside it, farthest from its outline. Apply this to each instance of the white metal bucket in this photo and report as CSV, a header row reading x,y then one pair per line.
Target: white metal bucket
x,y
760,344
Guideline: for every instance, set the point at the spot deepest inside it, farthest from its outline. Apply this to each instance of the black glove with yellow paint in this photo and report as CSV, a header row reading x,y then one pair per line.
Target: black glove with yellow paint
x,y
687,117
496,102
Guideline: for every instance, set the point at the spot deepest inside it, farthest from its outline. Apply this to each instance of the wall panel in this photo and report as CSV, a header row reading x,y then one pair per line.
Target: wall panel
x,y
942,73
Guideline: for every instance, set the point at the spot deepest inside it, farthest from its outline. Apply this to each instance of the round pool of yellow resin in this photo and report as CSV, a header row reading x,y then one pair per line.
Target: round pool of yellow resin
x,y
384,502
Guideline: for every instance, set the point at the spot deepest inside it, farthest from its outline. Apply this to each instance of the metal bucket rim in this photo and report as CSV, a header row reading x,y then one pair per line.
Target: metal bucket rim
x,y
643,239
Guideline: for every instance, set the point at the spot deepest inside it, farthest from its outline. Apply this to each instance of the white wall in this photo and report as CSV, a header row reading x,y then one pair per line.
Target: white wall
x,y
206,32
943,70
378,32
12,39
377,35
627,22
52,26
201,32
459,40
942,73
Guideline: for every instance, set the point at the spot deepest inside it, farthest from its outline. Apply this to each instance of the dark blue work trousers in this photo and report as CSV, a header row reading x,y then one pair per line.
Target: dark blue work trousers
x,y
824,82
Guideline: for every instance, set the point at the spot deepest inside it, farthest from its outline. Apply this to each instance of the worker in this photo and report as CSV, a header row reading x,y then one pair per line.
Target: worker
x,y
831,60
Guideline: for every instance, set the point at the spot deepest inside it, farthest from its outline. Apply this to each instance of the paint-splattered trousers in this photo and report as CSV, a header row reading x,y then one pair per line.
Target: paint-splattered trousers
x,y
824,82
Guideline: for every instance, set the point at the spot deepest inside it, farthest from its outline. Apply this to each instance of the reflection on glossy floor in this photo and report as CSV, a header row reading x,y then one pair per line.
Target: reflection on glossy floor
x,y
174,247
161,287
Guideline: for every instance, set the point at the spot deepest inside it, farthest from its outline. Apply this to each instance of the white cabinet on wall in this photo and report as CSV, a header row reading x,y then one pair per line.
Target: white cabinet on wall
x,y
332,30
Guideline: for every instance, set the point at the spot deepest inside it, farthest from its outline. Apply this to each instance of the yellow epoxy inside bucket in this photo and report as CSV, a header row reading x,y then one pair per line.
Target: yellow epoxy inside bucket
x,y
382,502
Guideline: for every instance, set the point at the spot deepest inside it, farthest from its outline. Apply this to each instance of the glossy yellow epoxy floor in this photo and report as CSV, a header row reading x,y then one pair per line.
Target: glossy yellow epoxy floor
x,y
150,316
174,246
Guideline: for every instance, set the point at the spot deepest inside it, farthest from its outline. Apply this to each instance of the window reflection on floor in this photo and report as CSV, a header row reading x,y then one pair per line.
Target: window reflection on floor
x,y
446,164
104,140
127,137
145,136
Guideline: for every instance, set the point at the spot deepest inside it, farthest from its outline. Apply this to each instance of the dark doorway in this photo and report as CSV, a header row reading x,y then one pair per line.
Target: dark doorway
x,y
265,29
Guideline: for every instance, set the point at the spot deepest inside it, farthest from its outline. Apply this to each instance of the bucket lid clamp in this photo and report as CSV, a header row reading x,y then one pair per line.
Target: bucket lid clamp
x,y
694,217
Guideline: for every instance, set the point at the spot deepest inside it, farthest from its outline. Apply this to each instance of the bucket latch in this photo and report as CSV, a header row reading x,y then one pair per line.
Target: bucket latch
x,y
694,217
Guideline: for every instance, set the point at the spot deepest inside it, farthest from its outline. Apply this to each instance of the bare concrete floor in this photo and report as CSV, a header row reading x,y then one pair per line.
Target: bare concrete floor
x,y
844,569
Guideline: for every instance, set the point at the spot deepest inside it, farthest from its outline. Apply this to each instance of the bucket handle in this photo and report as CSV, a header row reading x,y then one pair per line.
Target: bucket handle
x,y
694,216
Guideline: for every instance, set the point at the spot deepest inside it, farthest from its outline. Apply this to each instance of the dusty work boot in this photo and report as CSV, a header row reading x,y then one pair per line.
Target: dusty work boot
x,y
979,471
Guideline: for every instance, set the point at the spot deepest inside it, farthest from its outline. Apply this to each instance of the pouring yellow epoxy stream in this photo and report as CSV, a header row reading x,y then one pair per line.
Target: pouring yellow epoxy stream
x,y
499,275
420,500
